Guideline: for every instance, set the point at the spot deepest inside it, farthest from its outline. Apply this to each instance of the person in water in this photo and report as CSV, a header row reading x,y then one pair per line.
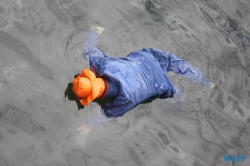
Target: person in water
x,y
128,81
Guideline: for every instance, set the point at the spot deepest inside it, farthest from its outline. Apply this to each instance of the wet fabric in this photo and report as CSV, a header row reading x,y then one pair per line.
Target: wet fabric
x,y
138,76
112,89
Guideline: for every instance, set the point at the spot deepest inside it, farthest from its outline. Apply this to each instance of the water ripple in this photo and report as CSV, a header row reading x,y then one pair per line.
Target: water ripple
x,y
225,24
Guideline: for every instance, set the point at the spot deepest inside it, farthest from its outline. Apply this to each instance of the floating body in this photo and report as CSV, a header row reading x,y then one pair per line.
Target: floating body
x,y
132,79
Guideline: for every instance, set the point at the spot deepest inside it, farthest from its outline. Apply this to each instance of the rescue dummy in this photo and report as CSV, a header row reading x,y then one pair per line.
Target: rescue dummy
x,y
129,80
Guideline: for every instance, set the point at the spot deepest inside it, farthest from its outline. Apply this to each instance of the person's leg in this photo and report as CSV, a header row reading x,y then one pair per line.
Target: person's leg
x,y
170,62
179,96
90,49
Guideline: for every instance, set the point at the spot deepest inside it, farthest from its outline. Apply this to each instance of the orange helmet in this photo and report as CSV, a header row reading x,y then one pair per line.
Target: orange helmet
x,y
87,87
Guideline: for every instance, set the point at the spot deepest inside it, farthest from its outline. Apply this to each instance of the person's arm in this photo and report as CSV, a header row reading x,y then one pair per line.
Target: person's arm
x,y
89,48
98,118
170,62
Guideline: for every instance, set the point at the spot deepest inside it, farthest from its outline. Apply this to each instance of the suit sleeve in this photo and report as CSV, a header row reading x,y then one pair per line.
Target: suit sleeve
x,y
97,118
89,48
170,62
118,107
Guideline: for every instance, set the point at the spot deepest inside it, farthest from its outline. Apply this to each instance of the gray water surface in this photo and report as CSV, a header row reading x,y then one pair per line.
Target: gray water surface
x,y
41,45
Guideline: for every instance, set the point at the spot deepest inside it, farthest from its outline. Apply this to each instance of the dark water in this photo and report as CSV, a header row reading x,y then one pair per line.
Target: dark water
x,y
41,51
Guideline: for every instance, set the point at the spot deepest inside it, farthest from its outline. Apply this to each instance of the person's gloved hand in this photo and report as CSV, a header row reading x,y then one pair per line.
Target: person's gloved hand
x,y
99,30
84,129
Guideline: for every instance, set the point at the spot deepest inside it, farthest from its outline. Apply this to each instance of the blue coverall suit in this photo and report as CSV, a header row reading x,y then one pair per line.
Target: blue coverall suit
x,y
139,76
